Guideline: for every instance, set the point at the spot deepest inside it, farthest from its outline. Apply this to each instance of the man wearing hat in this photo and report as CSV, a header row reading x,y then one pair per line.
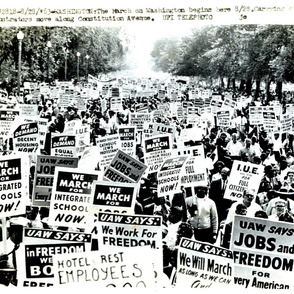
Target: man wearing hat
x,y
202,215
281,212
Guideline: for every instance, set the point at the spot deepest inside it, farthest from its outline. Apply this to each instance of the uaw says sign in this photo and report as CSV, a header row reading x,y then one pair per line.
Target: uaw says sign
x,y
243,175
124,168
122,268
14,190
34,257
113,197
44,176
71,195
124,230
203,266
263,253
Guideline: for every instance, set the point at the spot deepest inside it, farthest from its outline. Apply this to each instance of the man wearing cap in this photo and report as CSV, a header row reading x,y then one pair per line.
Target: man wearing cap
x,y
281,212
202,215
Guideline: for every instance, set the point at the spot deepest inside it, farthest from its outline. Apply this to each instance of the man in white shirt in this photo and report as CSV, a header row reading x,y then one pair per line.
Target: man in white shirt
x,y
234,146
248,200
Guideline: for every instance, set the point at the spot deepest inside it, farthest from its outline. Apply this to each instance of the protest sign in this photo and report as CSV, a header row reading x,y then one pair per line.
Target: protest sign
x,y
71,195
153,129
35,254
115,103
28,109
156,149
243,175
194,172
204,266
127,137
82,133
263,253
124,230
113,197
193,115
223,118
71,126
124,168
169,176
63,145
255,115
269,120
286,123
7,116
137,120
26,138
191,134
122,268
216,104
107,148
229,104
42,126
14,179
44,175
115,231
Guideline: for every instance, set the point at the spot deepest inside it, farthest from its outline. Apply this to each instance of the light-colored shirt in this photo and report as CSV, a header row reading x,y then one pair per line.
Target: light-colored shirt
x,y
250,210
207,216
234,148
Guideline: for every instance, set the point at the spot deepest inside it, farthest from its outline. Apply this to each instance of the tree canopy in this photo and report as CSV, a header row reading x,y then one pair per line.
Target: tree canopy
x,y
101,50
245,53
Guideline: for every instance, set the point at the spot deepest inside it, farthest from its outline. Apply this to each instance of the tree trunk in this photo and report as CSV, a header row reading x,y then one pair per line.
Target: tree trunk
x,y
257,89
228,83
267,88
222,82
234,83
242,85
279,87
248,87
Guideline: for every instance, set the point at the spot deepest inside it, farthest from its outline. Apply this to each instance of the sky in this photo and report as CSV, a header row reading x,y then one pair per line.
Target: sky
x,y
144,39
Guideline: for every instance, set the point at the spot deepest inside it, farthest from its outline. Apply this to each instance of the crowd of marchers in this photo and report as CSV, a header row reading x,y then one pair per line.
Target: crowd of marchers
x,y
204,215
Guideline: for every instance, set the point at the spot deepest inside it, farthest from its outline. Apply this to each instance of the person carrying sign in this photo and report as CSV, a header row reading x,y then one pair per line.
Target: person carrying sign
x,y
202,215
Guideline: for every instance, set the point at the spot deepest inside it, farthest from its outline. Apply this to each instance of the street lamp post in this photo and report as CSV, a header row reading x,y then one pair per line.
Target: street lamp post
x,y
78,66
49,45
20,37
87,66
65,63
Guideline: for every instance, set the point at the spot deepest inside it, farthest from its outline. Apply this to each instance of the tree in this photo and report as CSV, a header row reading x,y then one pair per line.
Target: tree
x,y
104,46
165,53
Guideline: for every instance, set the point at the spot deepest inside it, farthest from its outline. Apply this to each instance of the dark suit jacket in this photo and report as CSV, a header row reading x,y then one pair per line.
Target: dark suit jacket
x,y
217,195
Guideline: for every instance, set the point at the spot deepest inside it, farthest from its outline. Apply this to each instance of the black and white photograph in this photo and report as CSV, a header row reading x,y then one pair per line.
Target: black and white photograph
x,y
147,146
